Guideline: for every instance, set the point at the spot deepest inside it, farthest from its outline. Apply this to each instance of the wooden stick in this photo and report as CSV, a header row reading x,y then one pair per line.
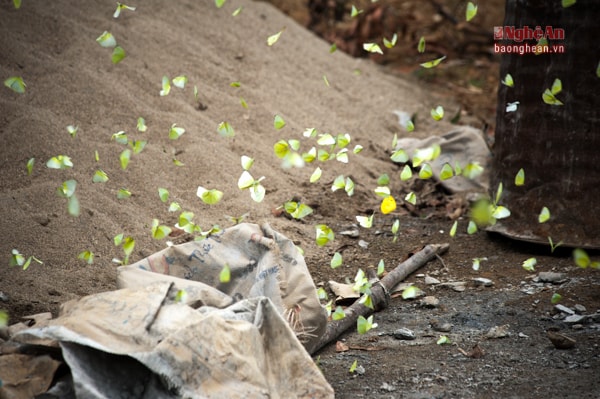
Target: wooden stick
x,y
380,293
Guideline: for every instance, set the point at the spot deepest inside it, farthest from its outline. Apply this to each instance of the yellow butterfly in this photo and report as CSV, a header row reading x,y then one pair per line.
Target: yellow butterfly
x,y
388,205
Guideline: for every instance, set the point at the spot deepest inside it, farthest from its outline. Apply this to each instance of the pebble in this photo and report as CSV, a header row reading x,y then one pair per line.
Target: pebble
x,y
431,280
3,297
42,220
458,286
350,233
404,334
387,387
430,302
528,291
363,244
580,309
440,326
574,319
486,282
552,277
498,332
564,309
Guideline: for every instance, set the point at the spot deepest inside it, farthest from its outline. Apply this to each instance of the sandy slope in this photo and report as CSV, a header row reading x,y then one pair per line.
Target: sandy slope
x,y
71,81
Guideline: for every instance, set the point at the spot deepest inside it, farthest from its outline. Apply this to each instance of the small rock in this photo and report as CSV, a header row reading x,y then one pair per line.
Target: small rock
x,y
577,326
42,220
498,332
564,309
363,244
552,277
431,280
458,286
580,309
521,335
430,302
387,387
3,297
574,319
486,282
528,291
440,326
404,334
350,233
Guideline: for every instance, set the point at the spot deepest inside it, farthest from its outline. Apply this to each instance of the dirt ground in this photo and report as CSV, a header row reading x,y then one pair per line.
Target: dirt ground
x,y
71,81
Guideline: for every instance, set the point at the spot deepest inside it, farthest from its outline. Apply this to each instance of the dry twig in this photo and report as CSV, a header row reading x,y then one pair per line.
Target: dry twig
x,y
380,292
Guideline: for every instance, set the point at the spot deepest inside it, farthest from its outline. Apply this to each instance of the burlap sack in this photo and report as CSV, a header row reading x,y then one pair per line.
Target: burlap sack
x,y
262,262
143,343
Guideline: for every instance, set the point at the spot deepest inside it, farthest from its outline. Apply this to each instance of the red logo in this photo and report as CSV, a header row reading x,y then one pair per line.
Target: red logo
x,y
498,33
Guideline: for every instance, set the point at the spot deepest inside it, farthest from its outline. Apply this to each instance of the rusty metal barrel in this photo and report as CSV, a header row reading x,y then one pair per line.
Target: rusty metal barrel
x,y
558,146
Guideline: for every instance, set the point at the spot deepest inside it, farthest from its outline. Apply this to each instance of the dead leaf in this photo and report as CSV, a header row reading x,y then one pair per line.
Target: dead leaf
x,y
341,347
176,232
475,353
498,332
343,291
560,341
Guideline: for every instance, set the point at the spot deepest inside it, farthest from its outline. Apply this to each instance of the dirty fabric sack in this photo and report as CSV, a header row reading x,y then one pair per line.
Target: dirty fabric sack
x,y
461,146
262,263
177,329
144,343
